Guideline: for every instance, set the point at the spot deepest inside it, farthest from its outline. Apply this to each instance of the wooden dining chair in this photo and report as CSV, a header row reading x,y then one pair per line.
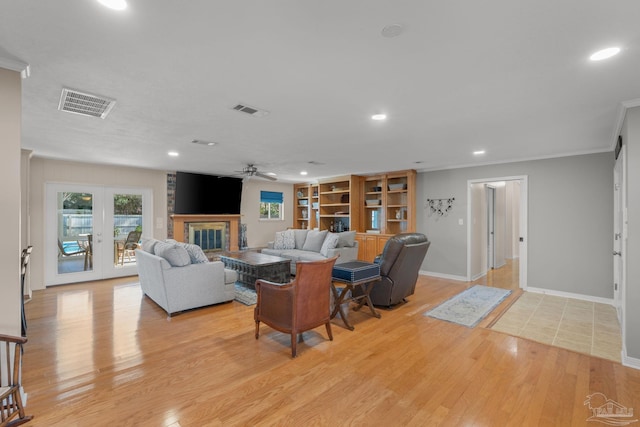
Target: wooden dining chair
x,y
299,305
11,409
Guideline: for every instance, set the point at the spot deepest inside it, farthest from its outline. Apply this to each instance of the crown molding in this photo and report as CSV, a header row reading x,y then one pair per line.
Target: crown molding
x,y
16,65
622,112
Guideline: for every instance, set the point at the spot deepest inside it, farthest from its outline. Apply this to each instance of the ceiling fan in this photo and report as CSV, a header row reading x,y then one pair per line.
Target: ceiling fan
x,y
251,170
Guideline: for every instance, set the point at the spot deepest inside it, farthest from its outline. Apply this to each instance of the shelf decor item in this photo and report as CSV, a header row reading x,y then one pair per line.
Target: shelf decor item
x,y
395,187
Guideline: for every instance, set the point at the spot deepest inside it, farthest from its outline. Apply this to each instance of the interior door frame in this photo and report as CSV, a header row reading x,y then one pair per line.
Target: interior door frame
x,y
524,227
620,243
491,226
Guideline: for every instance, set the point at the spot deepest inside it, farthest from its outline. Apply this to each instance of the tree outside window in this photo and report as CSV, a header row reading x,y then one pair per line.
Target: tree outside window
x,y
271,203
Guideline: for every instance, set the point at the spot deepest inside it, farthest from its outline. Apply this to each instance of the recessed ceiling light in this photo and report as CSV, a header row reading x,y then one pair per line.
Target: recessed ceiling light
x,y
379,117
303,172
173,153
392,30
605,53
114,4
479,152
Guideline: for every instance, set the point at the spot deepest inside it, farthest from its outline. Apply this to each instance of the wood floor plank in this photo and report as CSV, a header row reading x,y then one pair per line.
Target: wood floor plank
x,y
102,354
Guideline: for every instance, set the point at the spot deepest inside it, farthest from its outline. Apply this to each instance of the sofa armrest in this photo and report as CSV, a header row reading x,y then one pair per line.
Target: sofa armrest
x,y
270,245
347,253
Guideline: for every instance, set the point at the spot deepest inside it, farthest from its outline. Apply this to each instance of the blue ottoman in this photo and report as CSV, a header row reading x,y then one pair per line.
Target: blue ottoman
x,y
352,274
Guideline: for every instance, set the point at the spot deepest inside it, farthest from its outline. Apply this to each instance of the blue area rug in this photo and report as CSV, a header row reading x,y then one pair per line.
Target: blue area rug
x,y
468,308
246,295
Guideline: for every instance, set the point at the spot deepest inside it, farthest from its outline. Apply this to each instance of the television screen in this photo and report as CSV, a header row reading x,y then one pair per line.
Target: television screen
x,y
199,194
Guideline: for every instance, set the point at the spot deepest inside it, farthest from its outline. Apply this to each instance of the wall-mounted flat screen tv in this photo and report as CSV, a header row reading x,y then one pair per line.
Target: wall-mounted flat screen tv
x,y
199,194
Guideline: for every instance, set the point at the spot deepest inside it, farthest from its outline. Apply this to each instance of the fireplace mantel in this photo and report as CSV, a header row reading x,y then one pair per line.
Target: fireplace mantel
x,y
233,220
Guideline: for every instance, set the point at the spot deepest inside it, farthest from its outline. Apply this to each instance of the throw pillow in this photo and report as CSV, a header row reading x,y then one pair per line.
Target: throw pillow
x,y
314,240
300,236
278,243
284,240
148,245
176,255
330,242
196,254
347,239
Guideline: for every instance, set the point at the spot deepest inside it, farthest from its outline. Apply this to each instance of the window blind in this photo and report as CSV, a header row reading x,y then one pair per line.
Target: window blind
x,y
271,197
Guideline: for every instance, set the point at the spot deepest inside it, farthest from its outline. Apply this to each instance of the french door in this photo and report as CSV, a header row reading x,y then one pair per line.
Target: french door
x,y
91,232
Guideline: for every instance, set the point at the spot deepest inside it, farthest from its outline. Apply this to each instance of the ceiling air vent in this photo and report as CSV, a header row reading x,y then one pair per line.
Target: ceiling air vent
x,y
252,111
86,104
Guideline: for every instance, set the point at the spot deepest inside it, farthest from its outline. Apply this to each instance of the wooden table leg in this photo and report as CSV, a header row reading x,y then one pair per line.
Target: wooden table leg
x,y
366,289
339,298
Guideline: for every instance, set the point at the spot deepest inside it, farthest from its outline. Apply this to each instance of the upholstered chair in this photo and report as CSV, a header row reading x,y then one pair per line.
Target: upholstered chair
x,y
400,264
299,305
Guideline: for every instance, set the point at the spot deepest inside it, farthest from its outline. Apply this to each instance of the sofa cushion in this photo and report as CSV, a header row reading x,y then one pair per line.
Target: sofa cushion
x,y
148,245
347,239
196,254
314,240
300,237
175,254
330,242
284,240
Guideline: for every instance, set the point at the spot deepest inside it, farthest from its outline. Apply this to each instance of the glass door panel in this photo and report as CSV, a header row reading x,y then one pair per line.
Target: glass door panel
x,y
75,232
127,227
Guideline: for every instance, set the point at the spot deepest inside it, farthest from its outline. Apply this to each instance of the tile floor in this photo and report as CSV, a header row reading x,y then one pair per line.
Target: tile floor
x,y
581,326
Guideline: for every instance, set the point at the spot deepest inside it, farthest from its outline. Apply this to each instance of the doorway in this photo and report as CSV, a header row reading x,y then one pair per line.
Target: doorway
x,y
619,237
91,232
497,230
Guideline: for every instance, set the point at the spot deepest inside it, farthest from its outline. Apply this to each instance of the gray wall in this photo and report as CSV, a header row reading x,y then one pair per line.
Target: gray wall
x,y
631,138
570,220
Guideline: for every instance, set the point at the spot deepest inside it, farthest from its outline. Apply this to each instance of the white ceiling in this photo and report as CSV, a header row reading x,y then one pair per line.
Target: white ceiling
x,y
510,77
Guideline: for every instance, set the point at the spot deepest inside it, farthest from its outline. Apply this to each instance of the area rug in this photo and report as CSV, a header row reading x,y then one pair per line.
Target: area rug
x,y
245,294
468,308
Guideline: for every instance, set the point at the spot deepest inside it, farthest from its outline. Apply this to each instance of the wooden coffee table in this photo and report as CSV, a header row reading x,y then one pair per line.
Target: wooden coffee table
x,y
252,266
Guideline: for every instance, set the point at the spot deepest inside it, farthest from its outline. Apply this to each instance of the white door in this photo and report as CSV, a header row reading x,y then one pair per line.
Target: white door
x,y
491,227
86,231
619,233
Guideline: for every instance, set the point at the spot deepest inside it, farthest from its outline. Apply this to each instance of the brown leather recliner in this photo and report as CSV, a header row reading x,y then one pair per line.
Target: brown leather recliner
x,y
399,267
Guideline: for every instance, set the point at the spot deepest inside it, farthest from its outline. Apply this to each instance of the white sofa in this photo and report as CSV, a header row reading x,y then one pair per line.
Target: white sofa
x,y
178,282
312,245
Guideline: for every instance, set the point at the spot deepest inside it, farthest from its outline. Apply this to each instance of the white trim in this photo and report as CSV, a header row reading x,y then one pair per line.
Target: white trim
x,y
631,362
515,160
620,115
608,301
443,276
524,212
16,65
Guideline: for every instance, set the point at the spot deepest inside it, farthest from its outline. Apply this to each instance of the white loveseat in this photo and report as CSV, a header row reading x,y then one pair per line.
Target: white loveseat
x,y
178,279
312,245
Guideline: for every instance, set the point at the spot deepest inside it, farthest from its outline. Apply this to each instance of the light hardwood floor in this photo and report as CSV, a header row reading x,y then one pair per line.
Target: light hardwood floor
x,y
101,354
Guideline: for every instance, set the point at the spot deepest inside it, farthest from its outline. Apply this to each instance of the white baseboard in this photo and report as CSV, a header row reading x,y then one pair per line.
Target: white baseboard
x,y
443,276
631,362
590,298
